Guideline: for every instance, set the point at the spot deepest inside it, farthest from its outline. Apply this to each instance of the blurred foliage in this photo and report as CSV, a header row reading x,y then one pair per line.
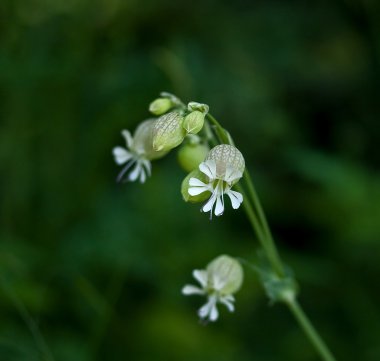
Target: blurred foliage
x,y
92,270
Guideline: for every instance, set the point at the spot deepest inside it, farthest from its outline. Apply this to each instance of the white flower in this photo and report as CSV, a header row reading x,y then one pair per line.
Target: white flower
x,y
224,166
137,154
219,281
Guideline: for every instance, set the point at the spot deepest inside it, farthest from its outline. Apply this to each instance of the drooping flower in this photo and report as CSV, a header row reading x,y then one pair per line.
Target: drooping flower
x,y
219,281
223,166
137,154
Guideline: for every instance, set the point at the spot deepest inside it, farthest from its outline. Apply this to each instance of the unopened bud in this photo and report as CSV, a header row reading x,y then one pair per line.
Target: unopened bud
x,y
227,270
168,132
203,108
160,106
191,155
142,143
193,122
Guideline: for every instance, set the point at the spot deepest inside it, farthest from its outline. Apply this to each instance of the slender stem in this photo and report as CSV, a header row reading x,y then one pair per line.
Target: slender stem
x,y
309,330
260,225
252,216
272,252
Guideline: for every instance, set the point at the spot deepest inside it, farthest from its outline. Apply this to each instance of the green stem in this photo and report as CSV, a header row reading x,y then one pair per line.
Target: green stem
x,y
309,330
270,246
260,225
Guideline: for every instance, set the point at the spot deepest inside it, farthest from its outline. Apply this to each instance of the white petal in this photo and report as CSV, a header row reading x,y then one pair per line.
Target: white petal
x,y
201,276
205,310
228,303
214,314
236,198
135,173
192,290
128,137
121,155
232,174
195,182
194,191
219,208
210,203
125,170
229,298
208,168
142,175
147,165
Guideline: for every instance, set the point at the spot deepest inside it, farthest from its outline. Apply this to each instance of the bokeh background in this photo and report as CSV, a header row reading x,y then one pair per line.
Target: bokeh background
x,y
92,270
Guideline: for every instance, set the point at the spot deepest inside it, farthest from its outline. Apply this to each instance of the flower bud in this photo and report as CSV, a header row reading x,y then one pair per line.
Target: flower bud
x,y
142,143
191,155
185,188
160,106
203,108
227,271
226,155
168,132
193,122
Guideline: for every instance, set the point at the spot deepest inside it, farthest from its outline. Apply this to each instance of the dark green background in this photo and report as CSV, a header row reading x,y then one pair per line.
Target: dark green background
x,y
95,267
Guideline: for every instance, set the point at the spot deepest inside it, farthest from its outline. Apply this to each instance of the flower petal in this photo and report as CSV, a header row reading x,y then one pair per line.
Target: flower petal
x,y
128,138
210,203
125,170
192,290
206,309
195,182
208,168
228,303
135,172
236,198
214,314
194,191
142,175
121,155
201,276
232,174
219,208
147,165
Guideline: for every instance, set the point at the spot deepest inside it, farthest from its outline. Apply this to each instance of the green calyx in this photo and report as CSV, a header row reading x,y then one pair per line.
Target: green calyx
x,y
228,269
168,131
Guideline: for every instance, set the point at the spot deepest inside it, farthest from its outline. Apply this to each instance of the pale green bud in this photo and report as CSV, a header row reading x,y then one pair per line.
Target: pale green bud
x,y
185,188
226,155
160,106
191,155
203,108
142,142
227,270
174,99
168,131
193,122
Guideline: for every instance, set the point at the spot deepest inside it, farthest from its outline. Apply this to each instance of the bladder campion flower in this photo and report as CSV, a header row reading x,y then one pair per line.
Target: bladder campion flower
x,y
138,153
223,166
219,281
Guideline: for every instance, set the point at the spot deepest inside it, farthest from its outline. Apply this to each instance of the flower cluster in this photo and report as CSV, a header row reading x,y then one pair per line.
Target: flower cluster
x,y
212,176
